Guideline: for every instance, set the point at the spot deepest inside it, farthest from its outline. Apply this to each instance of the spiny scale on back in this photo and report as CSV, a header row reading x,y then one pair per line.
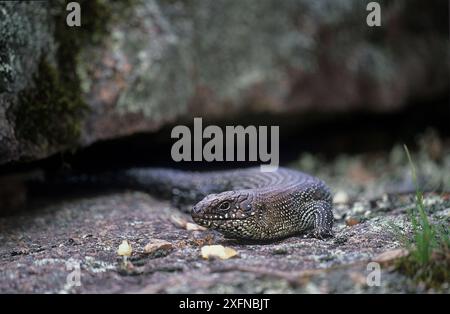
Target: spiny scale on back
x,y
245,203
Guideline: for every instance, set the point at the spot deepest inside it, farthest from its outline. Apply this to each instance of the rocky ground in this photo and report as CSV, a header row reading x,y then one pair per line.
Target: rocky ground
x,y
39,245
140,66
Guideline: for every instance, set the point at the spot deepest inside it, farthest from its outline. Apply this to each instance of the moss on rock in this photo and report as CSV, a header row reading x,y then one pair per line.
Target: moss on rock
x,y
51,112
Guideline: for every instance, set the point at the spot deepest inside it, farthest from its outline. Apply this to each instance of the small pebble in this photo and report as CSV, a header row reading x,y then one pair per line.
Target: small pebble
x,y
280,251
430,201
341,197
358,208
351,221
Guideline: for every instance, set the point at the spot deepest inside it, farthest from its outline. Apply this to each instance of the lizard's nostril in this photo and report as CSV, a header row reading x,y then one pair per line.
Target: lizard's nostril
x,y
196,210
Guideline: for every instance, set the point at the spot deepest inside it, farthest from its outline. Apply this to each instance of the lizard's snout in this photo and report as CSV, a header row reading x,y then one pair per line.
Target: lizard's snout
x,y
196,210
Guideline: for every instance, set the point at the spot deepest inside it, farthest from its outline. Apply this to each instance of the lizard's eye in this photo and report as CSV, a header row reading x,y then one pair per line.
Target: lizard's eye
x,y
225,205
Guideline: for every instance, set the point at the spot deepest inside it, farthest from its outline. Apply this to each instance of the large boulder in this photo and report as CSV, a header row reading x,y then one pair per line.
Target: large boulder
x,y
135,66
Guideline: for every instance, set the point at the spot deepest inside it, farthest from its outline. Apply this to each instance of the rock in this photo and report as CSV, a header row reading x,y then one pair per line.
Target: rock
x,y
25,36
390,255
61,88
33,261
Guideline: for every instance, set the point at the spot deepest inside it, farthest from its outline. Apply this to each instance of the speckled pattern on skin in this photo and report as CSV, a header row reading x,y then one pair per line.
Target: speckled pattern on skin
x,y
244,203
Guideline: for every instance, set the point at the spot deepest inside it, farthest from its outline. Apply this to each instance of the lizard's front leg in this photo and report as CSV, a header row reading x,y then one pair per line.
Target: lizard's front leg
x,y
323,220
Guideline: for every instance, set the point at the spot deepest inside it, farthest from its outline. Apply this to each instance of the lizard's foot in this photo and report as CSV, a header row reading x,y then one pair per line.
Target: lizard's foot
x,y
319,234
323,220
322,234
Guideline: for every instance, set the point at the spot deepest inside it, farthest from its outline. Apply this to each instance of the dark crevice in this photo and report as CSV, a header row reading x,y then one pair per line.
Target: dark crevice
x,y
326,134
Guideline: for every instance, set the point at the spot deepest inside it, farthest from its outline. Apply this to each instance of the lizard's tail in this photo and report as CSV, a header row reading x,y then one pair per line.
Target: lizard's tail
x,y
178,186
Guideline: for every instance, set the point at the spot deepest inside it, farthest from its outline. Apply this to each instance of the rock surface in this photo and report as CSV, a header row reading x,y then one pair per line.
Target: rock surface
x,y
138,65
37,246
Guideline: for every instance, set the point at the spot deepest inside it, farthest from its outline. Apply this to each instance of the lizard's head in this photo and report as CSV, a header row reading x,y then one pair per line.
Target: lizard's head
x,y
231,213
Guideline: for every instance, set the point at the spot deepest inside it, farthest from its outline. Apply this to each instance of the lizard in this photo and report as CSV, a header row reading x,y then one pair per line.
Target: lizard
x,y
242,204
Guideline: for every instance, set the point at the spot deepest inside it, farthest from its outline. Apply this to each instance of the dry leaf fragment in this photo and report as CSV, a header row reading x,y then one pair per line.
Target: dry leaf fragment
x,y
157,245
351,221
194,227
211,251
124,249
178,221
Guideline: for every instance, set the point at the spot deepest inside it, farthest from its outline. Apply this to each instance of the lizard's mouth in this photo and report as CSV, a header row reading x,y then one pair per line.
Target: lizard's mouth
x,y
212,221
221,225
218,217
202,222
230,228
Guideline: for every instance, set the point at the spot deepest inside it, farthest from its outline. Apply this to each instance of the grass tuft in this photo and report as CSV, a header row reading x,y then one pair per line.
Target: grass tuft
x,y
429,257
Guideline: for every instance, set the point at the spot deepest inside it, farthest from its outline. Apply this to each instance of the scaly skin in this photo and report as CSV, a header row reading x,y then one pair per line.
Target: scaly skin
x,y
248,203
243,204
